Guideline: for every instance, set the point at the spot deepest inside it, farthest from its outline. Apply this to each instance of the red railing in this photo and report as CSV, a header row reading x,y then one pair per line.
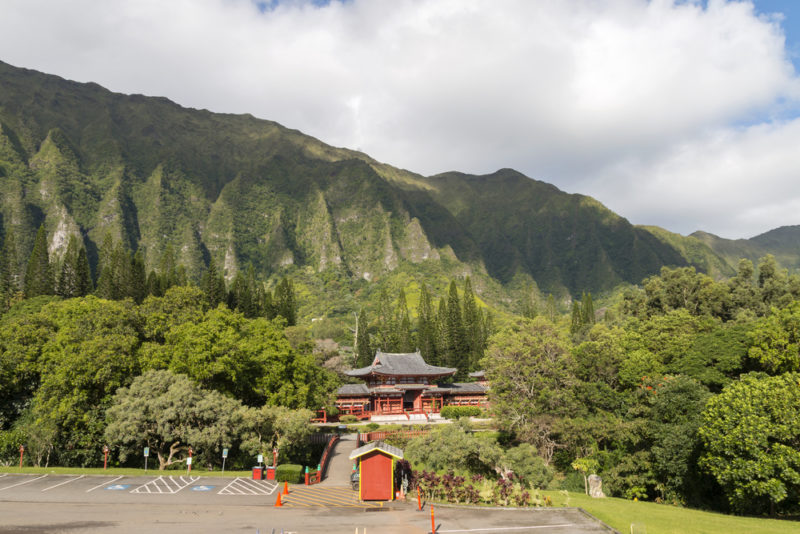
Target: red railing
x,y
316,477
366,437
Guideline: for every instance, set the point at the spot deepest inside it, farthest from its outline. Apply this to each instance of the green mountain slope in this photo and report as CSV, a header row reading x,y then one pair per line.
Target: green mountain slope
x,y
783,243
238,190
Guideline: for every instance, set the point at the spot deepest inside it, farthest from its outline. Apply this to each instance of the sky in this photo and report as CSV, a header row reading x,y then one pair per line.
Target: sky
x,y
682,114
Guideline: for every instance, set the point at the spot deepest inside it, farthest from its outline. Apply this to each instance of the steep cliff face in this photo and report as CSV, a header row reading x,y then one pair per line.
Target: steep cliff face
x,y
239,190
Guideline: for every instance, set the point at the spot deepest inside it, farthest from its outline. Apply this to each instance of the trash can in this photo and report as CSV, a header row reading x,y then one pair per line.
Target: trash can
x,y
270,473
258,473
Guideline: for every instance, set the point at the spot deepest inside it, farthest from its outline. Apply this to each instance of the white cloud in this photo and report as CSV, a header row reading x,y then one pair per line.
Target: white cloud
x,y
638,103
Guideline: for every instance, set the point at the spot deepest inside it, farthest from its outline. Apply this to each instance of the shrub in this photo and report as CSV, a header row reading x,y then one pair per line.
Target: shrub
x,y
456,412
291,473
348,419
372,427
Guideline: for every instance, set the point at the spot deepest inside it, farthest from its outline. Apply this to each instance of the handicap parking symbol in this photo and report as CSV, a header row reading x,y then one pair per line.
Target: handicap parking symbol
x,y
202,488
118,487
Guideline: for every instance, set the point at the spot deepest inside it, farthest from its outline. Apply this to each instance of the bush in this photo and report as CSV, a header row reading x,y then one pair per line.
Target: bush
x,y
348,419
456,412
292,473
372,427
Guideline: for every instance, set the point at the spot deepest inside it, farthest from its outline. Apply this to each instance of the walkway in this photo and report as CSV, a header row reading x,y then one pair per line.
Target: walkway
x,y
340,466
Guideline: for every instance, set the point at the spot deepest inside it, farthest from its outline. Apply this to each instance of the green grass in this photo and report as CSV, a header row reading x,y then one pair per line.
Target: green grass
x,y
116,471
665,519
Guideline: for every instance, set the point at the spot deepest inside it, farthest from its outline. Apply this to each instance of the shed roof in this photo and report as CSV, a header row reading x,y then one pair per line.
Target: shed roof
x,y
379,446
401,364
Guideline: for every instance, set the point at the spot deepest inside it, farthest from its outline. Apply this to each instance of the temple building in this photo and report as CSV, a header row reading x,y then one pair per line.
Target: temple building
x,y
404,384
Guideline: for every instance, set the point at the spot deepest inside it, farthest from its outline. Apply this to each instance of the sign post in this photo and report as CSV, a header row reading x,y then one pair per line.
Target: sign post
x,y
260,459
21,452
146,454
189,462
274,456
105,457
224,456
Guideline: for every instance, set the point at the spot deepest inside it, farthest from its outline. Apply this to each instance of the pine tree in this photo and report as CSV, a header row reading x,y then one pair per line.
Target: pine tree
x,y
138,278
442,341
426,327
587,309
456,354
363,349
530,307
105,269
84,273
214,285
67,282
577,317
39,274
402,324
473,328
386,327
167,272
284,301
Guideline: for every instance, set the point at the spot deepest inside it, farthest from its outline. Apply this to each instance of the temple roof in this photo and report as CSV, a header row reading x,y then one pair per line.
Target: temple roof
x,y
463,387
353,389
401,364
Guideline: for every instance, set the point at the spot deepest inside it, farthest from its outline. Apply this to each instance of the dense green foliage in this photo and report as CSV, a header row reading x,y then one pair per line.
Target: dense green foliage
x,y
65,366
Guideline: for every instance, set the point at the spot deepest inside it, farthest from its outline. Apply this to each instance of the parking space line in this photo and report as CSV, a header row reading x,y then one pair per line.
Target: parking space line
x,y
495,529
105,483
21,483
167,484
245,486
62,483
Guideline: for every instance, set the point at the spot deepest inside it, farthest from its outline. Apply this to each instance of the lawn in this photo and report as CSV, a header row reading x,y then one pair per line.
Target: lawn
x,y
117,471
655,518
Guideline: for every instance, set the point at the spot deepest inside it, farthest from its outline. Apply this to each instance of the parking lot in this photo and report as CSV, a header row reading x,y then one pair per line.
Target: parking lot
x,y
32,504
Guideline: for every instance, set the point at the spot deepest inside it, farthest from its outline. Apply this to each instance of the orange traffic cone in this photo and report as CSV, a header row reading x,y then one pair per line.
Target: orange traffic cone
x,y
278,502
285,488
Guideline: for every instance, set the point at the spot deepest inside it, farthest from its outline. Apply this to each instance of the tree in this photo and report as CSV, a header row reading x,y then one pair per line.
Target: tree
x,y
278,427
9,278
403,338
285,301
776,340
473,328
532,374
426,327
167,413
214,285
364,354
751,434
39,274
455,354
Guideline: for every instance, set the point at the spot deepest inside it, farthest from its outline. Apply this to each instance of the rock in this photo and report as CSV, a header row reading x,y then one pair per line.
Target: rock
x,y
596,487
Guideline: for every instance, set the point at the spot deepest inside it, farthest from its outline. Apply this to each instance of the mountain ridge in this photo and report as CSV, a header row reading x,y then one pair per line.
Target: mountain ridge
x,y
240,190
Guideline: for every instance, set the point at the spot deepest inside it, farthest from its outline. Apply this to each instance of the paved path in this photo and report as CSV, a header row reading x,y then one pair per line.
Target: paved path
x,y
340,466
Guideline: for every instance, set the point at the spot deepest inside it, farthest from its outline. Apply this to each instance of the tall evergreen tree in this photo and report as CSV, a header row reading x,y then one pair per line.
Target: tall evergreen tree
x,y
530,307
442,340
587,309
138,278
402,323
363,349
285,302
577,317
67,282
39,274
214,285
84,273
426,328
105,269
473,327
457,354
386,328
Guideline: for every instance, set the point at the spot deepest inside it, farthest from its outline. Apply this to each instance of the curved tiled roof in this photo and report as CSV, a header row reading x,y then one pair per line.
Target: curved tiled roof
x,y
401,364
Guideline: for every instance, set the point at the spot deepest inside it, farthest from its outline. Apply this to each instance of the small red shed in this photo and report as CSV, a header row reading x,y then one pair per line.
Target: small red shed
x,y
376,470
